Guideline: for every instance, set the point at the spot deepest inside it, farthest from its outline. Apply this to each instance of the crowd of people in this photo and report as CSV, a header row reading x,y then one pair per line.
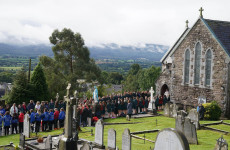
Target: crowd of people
x,y
51,115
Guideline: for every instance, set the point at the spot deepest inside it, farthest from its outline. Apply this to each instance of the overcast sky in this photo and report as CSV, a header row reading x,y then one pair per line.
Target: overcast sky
x,y
125,22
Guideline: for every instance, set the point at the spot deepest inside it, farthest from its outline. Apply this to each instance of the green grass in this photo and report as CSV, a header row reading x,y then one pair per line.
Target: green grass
x,y
206,138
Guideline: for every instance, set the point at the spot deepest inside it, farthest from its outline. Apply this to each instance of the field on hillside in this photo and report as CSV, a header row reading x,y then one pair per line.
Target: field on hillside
x,y
206,138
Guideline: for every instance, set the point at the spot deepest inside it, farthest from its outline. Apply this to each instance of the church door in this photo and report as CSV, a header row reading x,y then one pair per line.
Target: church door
x,y
163,89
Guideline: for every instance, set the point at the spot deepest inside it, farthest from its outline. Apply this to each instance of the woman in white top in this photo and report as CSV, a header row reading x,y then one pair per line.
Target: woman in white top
x,y
37,106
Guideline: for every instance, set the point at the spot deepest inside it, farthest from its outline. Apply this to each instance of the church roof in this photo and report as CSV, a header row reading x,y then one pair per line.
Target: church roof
x,y
221,31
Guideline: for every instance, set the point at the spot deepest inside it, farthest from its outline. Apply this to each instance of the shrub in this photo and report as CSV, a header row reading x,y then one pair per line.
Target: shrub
x,y
212,111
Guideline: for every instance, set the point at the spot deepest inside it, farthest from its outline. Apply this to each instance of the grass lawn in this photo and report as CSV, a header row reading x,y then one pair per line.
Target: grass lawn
x,y
206,138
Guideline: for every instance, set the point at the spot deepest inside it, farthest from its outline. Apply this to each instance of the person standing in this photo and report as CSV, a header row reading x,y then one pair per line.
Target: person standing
x,y
45,119
129,109
7,119
201,111
61,118
21,120
38,121
51,104
14,123
13,109
56,115
51,119
32,119
2,110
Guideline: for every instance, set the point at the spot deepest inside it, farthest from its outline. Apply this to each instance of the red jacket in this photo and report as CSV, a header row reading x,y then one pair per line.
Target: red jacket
x,y
56,114
21,117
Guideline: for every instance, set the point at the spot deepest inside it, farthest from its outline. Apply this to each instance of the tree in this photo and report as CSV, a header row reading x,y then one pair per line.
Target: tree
x,y
115,78
71,62
39,81
6,77
21,90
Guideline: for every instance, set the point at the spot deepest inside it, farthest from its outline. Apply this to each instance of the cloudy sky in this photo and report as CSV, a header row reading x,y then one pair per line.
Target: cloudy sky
x,y
125,22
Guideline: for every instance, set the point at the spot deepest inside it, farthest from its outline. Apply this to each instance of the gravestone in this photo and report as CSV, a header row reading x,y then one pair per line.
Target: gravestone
x,y
126,140
190,131
171,139
221,144
89,121
179,123
48,143
167,110
85,146
111,139
22,141
26,125
174,110
182,113
99,133
194,117
151,106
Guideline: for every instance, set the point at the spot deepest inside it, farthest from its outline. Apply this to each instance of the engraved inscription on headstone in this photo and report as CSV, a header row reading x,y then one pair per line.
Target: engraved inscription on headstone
x,y
112,139
171,139
99,133
26,125
194,117
126,140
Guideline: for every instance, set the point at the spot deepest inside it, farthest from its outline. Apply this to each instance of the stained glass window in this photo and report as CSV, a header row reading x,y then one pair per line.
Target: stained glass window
x,y
186,66
208,67
197,64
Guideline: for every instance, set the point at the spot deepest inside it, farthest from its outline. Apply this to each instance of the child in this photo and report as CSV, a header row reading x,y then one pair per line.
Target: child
x,y
38,121
61,118
51,119
56,115
21,120
45,119
7,119
32,119
14,123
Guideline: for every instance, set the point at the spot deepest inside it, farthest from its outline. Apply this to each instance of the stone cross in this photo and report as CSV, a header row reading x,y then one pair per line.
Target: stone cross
x,y
57,96
186,23
221,142
68,88
201,10
152,92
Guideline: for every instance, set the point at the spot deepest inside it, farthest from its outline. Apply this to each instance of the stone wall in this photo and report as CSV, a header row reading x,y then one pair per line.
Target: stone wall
x,y
188,93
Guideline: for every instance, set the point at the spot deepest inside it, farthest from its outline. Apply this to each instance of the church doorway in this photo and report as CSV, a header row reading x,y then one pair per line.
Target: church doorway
x,y
163,89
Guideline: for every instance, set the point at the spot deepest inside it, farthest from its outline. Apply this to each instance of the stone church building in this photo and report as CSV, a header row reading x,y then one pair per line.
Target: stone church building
x,y
198,65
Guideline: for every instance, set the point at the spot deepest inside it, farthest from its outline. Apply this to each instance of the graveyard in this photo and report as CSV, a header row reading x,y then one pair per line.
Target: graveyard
x,y
206,138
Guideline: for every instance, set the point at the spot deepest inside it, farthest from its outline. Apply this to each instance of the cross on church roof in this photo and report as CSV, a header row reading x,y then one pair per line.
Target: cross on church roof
x,y
186,23
201,10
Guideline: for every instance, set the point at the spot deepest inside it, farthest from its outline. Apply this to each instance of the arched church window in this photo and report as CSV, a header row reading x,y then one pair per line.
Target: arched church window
x,y
208,67
197,64
186,66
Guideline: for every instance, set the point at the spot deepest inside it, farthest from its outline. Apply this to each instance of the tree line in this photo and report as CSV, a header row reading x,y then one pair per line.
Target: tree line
x,y
72,61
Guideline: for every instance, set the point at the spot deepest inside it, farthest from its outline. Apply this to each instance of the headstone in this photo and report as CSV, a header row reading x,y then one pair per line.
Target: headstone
x,y
179,123
67,142
26,125
190,131
174,111
112,139
99,133
127,118
22,141
201,100
74,128
171,139
89,121
166,110
194,117
126,140
182,113
85,146
221,144
48,143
